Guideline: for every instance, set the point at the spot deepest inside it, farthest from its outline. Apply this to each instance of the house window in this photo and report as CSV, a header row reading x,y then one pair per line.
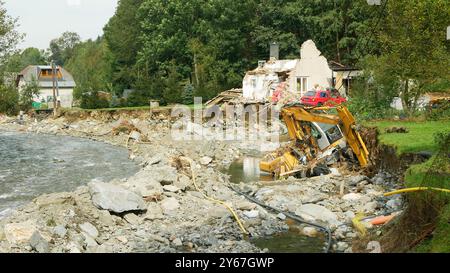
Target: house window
x,y
302,84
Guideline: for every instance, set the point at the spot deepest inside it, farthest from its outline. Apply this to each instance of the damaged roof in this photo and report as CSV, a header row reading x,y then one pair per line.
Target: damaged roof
x,y
32,71
275,66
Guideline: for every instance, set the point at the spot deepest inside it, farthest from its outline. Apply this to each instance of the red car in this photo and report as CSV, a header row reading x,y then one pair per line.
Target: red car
x,y
319,98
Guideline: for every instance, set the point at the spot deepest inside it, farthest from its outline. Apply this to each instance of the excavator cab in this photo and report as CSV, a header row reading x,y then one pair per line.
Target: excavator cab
x,y
316,134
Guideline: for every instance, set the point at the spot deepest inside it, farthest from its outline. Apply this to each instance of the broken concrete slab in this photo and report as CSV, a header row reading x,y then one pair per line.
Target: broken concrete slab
x,y
115,198
18,233
39,243
89,229
313,212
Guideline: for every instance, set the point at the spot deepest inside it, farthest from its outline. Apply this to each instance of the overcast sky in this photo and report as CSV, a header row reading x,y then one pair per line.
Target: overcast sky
x,y
86,17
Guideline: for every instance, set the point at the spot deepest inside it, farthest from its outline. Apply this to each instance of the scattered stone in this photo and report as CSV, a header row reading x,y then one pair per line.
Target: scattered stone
x,y
281,216
349,215
72,247
245,205
251,214
135,135
38,243
60,231
354,180
122,239
206,160
370,207
394,204
171,188
169,204
105,217
89,229
177,242
114,198
218,212
90,242
341,246
133,219
313,212
352,196
154,212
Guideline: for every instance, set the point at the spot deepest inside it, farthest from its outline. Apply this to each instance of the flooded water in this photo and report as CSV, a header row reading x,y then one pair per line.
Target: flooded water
x,y
33,164
290,242
246,169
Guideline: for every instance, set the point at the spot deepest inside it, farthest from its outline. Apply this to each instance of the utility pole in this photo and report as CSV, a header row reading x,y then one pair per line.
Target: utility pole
x,y
54,90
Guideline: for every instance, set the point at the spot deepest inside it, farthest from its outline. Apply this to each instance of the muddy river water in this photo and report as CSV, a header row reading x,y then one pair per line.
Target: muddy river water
x,y
247,170
33,164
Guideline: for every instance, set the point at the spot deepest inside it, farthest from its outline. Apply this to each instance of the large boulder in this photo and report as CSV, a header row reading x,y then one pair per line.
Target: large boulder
x,y
313,212
115,198
18,233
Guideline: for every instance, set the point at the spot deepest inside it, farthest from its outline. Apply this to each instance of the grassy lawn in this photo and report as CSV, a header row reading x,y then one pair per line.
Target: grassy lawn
x,y
420,136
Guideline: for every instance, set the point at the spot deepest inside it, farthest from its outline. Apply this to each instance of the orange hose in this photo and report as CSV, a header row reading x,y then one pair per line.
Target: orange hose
x,y
381,220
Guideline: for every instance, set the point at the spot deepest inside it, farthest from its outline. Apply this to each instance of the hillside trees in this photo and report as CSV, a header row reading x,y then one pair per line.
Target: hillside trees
x,y
121,36
414,52
90,66
63,48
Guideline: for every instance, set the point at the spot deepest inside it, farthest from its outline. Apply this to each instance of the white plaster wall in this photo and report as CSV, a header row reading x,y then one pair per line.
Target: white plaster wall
x,y
262,90
65,94
314,66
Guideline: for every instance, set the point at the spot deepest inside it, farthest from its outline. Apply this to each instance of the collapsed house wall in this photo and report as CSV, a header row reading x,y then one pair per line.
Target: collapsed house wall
x,y
313,66
300,75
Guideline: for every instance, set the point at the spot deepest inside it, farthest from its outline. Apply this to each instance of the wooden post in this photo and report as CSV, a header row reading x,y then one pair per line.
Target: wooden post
x,y
54,90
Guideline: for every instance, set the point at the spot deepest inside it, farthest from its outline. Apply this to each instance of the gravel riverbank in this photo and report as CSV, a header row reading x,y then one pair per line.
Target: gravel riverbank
x,y
160,210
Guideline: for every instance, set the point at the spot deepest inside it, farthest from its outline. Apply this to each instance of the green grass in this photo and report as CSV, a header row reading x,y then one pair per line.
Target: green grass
x,y
440,241
420,136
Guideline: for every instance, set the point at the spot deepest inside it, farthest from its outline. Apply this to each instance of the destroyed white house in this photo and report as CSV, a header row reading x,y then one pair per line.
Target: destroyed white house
x,y
297,76
43,76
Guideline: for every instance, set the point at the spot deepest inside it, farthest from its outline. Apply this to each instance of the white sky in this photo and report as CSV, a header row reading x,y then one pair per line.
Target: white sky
x,y
85,17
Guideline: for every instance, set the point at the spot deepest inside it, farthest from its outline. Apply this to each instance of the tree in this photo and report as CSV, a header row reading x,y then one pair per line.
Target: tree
x,y
9,98
27,93
9,37
121,35
413,48
63,48
90,67
29,56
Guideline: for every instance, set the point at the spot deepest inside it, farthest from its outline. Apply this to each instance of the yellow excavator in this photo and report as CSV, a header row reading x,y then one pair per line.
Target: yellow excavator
x,y
316,135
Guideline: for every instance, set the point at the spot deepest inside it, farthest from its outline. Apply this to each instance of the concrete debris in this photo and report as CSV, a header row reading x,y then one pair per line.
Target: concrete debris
x,y
114,198
38,243
89,229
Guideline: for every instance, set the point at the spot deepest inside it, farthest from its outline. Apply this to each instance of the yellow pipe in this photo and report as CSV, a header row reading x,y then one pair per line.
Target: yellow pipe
x,y
241,226
407,190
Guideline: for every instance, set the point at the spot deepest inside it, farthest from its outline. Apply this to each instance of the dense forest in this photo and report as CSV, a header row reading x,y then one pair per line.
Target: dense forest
x,y
172,50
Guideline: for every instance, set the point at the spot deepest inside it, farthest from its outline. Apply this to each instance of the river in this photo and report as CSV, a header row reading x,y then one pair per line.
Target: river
x,y
34,164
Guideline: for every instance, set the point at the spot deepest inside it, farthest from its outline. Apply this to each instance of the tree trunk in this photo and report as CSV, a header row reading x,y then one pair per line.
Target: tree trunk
x,y
197,81
405,98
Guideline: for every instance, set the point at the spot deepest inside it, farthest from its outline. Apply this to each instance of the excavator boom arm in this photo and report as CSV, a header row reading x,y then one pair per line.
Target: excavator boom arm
x,y
295,118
